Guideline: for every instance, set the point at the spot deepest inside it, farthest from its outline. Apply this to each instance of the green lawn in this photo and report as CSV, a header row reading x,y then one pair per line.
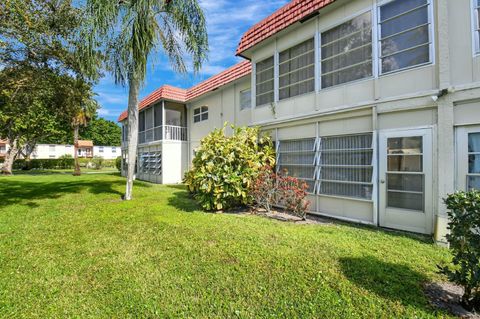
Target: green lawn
x,y
69,247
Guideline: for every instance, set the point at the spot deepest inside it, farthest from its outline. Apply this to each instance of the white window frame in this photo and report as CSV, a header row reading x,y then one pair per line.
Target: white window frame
x,y
318,47
475,30
200,114
431,36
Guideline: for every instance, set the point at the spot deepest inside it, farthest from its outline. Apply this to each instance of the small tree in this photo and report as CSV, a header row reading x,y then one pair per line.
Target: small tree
x,y
272,189
225,167
464,240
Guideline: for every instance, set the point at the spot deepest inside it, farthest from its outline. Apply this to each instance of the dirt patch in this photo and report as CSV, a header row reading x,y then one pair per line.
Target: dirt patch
x,y
447,296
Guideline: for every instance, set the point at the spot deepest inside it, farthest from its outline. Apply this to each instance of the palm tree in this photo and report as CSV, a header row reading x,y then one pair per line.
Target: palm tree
x,y
128,31
87,109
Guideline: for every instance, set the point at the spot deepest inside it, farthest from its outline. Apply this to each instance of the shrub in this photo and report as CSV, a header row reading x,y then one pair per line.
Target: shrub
x,y
118,163
65,161
224,167
271,189
464,240
97,162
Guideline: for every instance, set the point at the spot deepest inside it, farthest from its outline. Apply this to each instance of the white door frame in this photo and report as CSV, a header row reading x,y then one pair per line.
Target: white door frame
x,y
398,218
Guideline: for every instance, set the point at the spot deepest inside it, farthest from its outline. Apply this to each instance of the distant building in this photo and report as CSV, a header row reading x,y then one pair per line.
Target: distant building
x,y
86,149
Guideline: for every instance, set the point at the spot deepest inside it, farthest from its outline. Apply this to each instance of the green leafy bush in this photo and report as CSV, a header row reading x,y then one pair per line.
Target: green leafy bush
x,y
118,163
464,240
97,162
48,163
224,167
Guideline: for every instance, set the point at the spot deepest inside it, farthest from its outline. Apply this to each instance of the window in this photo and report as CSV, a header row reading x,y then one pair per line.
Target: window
x,y
264,81
345,166
51,148
405,173
200,114
114,149
150,163
297,159
100,149
347,51
476,25
125,132
297,70
51,156
473,176
3,148
404,34
245,99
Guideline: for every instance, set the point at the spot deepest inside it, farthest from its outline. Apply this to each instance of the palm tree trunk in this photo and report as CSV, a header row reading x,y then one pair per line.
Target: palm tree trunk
x,y
10,158
134,86
77,171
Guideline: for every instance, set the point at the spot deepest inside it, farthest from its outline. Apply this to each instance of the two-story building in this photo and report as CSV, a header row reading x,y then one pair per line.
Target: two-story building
x,y
374,103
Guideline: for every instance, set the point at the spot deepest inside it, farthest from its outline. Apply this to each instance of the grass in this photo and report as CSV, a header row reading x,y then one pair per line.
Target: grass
x,y
69,247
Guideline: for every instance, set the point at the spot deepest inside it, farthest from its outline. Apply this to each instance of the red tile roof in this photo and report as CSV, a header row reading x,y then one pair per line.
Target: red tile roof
x,y
180,95
284,17
84,143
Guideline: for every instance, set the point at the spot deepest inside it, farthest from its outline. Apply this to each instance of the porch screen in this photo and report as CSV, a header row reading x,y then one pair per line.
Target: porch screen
x,y
264,81
297,70
297,159
345,166
347,51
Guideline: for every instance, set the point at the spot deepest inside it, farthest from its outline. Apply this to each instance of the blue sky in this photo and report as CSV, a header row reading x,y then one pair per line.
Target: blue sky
x,y
227,20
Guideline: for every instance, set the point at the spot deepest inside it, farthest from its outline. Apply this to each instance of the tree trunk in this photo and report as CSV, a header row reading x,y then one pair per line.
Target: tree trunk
x,y
77,171
134,86
10,158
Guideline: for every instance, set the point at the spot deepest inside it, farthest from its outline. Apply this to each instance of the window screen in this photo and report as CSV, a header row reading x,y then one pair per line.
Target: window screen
x,y
297,70
346,166
200,114
473,177
296,158
150,163
264,81
404,34
245,99
347,51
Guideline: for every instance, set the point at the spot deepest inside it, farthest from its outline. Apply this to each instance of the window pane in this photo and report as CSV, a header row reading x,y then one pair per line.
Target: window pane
x,y
405,145
347,190
297,145
473,182
204,109
405,200
406,59
474,142
196,118
405,40
397,7
204,116
405,182
245,99
196,111
351,174
305,158
474,163
405,22
347,51
401,163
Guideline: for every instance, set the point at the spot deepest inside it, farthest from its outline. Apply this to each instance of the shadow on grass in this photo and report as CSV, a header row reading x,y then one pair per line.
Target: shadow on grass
x,y
182,200
25,193
395,282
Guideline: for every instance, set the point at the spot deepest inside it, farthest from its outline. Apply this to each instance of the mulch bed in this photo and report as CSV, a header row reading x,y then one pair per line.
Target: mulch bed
x,y
447,296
